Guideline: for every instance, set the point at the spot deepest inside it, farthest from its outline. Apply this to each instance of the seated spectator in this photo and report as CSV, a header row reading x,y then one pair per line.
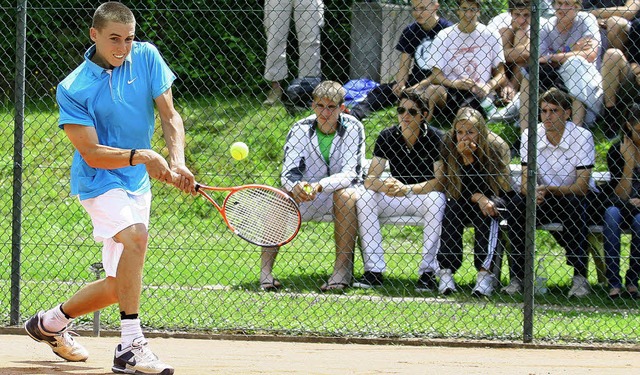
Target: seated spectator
x,y
322,163
504,20
614,17
569,50
475,165
414,45
620,84
566,155
623,160
412,150
467,61
515,41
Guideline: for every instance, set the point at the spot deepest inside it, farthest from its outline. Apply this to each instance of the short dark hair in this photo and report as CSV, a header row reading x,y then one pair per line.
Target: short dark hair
x,y
556,97
477,2
112,12
519,4
416,98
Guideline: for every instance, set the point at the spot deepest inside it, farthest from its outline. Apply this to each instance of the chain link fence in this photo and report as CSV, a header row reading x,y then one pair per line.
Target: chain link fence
x,y
424,269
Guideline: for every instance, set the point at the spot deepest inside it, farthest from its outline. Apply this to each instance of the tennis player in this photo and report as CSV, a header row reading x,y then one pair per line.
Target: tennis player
x,y
107,112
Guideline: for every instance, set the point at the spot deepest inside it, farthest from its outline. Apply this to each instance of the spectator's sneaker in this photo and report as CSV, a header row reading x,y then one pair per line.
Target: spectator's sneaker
x,y
509,113
514,287
484,284
447,285
273,98
138,359
426,282
62,344
580,287
369,280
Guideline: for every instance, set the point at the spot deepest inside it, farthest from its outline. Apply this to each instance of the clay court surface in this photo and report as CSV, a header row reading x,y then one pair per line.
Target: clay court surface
x,y
21,355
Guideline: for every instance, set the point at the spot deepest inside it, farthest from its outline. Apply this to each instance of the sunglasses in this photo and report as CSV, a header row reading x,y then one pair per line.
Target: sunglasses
x,y
403,110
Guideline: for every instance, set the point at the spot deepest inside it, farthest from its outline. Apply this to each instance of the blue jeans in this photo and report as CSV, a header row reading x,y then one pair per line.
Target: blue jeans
x,y
614,220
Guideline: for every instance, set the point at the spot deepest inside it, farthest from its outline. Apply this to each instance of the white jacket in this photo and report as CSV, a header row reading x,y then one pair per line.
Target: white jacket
x,y
304,162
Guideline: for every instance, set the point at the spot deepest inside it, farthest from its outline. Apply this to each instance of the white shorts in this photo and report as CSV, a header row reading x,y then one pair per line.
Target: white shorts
x,y
111,213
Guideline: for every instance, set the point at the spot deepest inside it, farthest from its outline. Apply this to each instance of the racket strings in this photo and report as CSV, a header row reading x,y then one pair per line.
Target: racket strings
x,y
262,216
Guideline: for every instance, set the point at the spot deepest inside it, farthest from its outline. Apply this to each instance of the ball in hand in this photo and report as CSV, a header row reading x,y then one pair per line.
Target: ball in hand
x,y
239,150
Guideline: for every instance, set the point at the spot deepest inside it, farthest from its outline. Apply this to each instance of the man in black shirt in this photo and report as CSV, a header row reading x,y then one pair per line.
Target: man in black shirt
x,y
413,45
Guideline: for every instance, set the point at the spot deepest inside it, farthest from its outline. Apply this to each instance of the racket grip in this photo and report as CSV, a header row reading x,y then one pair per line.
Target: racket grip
x,y
197,187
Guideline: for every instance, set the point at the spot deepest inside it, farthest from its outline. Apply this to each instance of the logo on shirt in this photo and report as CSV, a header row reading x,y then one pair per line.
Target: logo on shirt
x,y
131,81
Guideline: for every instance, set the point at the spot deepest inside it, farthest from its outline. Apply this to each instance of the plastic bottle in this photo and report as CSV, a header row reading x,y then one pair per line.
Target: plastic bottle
x,y
540,284
488,106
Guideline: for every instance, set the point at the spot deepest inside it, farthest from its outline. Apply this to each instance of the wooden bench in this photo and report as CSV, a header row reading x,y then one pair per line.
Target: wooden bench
x,y
595,239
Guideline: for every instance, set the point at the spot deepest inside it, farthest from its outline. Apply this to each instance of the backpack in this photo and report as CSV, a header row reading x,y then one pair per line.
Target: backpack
x,y
298,95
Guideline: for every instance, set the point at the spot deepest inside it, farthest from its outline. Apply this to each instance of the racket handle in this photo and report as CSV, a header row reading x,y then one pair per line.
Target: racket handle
x,y
197,186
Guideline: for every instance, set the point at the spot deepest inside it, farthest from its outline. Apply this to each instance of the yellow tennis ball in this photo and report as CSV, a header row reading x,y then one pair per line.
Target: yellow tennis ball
x,y
239,150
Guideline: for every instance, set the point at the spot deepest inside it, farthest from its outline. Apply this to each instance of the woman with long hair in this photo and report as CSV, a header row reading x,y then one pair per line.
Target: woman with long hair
x,y
475,178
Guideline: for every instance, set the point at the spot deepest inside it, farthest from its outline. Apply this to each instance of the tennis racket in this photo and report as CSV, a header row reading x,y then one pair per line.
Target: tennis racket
x,y
259,214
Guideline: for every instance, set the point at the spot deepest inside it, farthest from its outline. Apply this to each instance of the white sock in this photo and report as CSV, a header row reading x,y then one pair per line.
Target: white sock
x,y
130,330
54,320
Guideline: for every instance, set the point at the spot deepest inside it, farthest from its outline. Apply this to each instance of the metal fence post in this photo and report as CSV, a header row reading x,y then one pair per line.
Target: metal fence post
x,y
97,270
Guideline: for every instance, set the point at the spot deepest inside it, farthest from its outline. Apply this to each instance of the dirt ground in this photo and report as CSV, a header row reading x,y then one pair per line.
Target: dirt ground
x,y
21,355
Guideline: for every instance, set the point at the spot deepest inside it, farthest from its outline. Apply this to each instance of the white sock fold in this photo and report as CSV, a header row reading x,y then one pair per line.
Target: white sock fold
x,y
54,321
130,330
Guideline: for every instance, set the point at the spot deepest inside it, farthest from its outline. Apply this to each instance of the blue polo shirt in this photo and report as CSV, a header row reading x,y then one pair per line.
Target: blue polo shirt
x,y
119,104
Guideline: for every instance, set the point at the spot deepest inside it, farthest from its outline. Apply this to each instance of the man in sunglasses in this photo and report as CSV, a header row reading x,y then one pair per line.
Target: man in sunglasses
x,y
412,150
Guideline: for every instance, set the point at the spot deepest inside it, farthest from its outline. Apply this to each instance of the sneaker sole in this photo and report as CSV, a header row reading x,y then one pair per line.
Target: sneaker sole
x,y
365,286
120,370
423,290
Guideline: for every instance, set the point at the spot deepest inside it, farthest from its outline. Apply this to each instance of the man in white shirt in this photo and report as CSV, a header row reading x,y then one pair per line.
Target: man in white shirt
x,y
467,62
566,155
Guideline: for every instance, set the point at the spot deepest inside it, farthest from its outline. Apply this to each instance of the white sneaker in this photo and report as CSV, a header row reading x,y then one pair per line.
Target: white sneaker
x,y
514,287
62,344
138,359
580,287
447,284
484,284
273,98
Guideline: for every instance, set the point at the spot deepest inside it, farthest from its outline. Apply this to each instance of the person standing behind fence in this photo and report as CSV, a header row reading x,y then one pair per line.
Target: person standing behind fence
x,y
308,16
322,170
623,160
414,46
475,165
467,61
412,150
106,111
566,155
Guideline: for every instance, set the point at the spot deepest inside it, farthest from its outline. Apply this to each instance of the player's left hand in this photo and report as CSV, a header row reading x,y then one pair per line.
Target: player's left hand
x,y
183,179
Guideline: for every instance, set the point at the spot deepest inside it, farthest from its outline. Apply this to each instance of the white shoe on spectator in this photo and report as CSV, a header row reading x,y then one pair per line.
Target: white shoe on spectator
x,y
509,113
514,287
447,284
274,97
484,284
580,287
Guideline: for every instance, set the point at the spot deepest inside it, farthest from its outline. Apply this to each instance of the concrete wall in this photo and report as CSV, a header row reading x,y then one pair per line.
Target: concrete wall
x,y
375,29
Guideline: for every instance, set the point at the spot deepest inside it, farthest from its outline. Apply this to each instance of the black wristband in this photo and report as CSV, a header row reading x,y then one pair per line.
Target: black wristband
x,y
133,152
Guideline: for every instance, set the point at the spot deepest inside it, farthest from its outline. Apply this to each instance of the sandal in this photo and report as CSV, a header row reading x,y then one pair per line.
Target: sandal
x,y
614,293
334,287
271,286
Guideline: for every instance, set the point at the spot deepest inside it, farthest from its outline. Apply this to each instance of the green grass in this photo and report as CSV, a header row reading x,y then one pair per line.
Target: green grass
x,y
199,277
